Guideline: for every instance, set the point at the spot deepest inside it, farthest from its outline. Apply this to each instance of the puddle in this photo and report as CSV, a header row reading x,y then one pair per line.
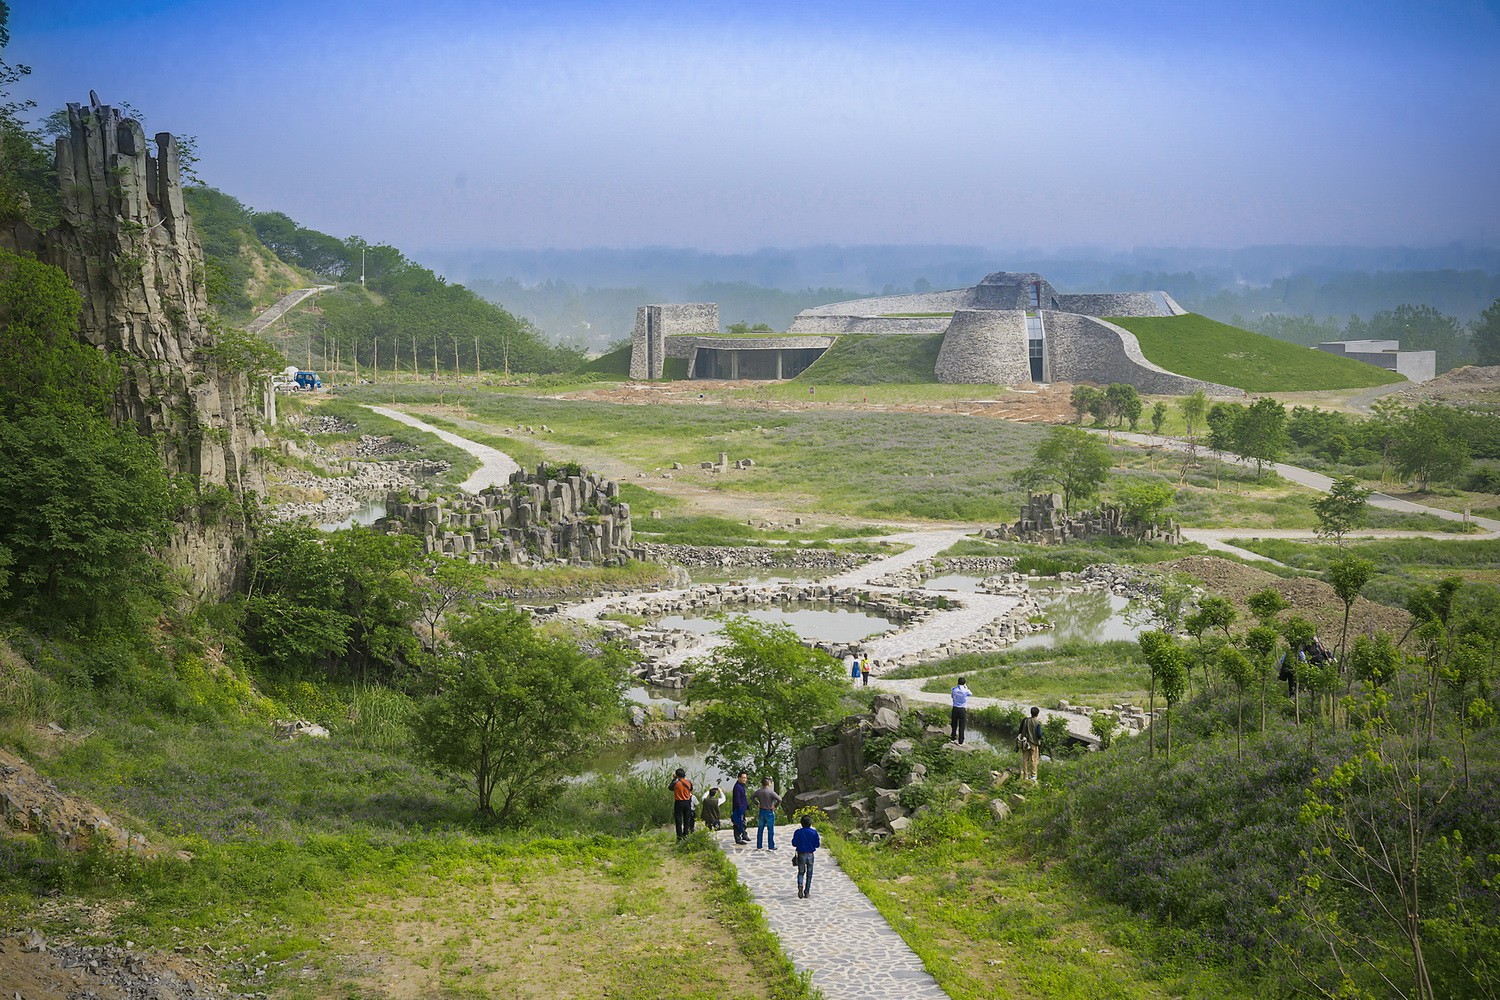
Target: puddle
x,y
1091,617
824,623
964,583
366,515
666,756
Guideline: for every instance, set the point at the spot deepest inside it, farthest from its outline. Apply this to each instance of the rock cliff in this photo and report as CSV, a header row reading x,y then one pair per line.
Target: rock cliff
x,y
126,242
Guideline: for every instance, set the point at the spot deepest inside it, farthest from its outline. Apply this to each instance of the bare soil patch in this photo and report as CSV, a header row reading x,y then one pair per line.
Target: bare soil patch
x,y
1312,599
34,969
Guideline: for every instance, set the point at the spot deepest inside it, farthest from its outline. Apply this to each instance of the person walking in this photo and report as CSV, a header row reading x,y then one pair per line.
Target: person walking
x,y
739,807
958,715
767,799
711,803
851,664
805,841
682,803
1031,744
865,673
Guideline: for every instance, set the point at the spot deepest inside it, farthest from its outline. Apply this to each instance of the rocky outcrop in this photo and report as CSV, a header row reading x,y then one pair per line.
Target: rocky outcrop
x,y
127,244
555,514
749,556
1043,521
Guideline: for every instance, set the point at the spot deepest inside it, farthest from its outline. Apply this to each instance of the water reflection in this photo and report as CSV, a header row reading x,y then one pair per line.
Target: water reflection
x,y
366,515
824,623
664,756
964,583
1094,616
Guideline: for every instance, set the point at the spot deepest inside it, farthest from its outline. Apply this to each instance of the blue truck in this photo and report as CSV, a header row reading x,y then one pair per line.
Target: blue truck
x,y
307,380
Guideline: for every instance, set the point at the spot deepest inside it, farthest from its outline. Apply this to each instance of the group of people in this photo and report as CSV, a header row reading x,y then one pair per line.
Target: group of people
x,y
860,668
1028,740
805,840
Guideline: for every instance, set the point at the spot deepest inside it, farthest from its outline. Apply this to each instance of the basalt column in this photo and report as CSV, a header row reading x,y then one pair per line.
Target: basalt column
x,y
126,242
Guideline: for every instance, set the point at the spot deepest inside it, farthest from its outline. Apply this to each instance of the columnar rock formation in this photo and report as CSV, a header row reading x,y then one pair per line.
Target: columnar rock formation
x,y
1044,521
554,514
127,244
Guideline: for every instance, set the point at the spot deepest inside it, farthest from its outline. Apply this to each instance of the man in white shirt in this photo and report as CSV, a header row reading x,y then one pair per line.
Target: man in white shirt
x,y
959,713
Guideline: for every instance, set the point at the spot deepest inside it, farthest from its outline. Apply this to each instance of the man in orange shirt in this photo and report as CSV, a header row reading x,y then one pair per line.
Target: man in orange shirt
x,y
682,803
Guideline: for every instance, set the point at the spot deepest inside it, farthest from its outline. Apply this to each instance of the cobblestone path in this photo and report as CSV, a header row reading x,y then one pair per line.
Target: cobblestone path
x,y
836,933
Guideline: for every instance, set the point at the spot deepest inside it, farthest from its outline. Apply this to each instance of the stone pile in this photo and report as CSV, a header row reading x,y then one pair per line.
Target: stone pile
x,y
33,804
323,424
748,557
919,572
1044,522
556,514
344,494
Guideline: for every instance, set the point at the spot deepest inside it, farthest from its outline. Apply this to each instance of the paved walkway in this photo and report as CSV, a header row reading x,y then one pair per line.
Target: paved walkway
x,y
495,466
281,306
836,933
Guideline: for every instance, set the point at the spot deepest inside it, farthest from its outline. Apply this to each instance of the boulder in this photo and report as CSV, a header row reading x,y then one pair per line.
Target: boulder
x,y
999,809
892,813
875,775
900,825
886,797
891,700
885,721
917,776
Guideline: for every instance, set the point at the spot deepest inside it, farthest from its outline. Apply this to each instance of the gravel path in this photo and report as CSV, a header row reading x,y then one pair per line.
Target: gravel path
x,y
495,466
836,933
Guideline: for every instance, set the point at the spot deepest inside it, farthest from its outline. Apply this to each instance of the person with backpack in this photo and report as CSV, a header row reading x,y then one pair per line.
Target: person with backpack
x,y
711,803
805,841
682,803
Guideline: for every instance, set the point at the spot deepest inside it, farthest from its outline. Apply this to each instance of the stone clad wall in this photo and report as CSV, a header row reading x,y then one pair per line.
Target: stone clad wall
x,y
127,244
654,324
893,325
1121,304
985,347
551,515
1085,349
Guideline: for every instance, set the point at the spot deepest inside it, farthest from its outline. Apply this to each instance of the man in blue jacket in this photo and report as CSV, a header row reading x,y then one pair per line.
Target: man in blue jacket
x,y
959,713
739,807
805,841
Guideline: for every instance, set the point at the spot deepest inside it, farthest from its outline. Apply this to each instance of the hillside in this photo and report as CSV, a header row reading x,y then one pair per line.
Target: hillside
x,y
874,360
1199,347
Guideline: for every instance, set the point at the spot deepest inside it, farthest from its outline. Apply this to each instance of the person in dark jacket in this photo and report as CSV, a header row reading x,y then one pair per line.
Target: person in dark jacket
x,y
805,841
1031,748
739,808
711,803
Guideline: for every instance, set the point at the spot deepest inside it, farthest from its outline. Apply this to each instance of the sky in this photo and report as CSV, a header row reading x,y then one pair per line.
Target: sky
x,y
730,126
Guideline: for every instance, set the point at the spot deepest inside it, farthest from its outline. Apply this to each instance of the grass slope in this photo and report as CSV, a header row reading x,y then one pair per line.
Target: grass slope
x,y
616,362
866,359
1199,347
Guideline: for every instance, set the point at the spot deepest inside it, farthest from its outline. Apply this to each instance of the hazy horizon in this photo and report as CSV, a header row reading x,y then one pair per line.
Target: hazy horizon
x,y
469,126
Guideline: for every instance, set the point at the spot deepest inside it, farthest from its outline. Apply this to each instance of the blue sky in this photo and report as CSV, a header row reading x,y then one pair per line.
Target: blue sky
x,y
731,126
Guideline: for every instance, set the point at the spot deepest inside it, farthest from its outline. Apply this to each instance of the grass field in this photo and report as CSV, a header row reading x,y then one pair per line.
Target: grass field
x,y
1402,564
1199,347
616,362
1099,674
864,359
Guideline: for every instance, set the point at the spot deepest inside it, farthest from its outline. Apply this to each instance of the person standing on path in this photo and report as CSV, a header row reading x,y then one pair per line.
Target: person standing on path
x,y
1031,744
866,673
739,807
682,803
805,841
851,664
958,715
767,799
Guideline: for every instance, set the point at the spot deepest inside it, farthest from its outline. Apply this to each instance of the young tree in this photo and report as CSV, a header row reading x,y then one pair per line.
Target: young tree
x,y
1237,669
1214,613
1082,400
1073,460
1158,417
1341,509
1348,576
1425,450
1259,432
1103,727
1164,604
1299,634
516,710
1262,643
1194,408
760,692
1144,503
445,586
1124,402
1164,658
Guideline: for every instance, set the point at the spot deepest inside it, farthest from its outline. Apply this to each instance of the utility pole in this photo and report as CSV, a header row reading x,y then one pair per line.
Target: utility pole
x,y
356,361
361,267
376,376
434,357
476,357
414,372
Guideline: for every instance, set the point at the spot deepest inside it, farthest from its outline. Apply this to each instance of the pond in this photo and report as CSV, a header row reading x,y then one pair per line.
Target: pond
x,y
964,583
819,622
1094,616
367,514
661,757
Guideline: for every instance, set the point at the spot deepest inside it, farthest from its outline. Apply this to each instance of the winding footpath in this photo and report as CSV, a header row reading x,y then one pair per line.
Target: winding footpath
x,y
836,934
495,466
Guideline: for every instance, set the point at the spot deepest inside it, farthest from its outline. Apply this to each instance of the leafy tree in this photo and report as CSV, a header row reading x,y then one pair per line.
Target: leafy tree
x,y
760,692
446,586
1158,417
1071,459
1259,432
1125,402
82,502
1299,634
1221,420
340,603
1262,643
1164,605
1348,576
516,710
1341,509
1383,428
1424,450
1194,407
1267,605
1082,399
1486,334
1213,613
1237,669
1103,727
1144,503
1166,660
